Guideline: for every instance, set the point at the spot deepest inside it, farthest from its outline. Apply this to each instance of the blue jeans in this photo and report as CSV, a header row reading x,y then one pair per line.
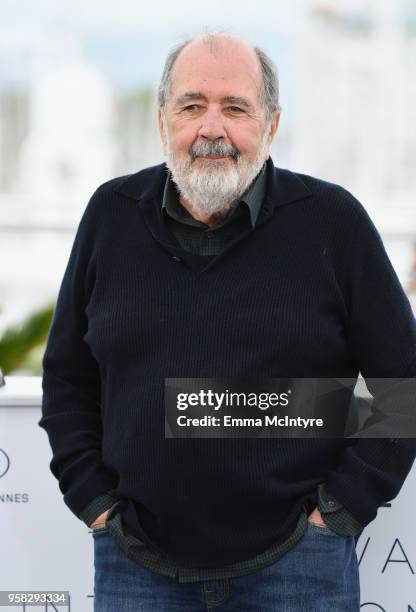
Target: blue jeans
x,y
319,574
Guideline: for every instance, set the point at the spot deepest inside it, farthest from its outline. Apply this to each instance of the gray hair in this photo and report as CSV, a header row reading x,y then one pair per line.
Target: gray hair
x,y
270,89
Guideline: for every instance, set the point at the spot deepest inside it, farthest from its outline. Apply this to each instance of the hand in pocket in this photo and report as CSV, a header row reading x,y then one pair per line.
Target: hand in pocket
x,y
316,518
100,521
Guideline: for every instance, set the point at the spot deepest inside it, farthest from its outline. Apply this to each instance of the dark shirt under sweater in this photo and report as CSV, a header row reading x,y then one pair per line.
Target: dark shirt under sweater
x,y
333,507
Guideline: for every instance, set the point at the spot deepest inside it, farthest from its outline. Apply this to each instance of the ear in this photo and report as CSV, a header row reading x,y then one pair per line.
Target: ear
x,y
274,125
161,123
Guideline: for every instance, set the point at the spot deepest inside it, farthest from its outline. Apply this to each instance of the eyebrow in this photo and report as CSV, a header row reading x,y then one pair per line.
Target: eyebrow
x,y
196,95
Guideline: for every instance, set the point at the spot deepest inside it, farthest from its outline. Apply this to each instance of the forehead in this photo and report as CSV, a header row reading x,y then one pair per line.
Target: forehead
x,y
231,70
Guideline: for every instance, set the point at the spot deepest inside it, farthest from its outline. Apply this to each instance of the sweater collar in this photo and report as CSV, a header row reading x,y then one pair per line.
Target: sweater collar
x,y
282,186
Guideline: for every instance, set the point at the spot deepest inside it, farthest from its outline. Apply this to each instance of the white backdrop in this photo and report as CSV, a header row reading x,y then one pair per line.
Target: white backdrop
x,y
45,547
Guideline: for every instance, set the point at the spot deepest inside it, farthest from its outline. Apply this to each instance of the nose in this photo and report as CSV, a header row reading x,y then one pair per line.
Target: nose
x,y
212,126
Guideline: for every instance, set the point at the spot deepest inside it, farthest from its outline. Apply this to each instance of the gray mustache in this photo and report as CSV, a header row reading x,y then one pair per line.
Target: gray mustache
x,y
204,149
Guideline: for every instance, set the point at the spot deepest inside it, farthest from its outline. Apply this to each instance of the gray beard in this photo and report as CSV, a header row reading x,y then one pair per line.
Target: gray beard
x,y
215,185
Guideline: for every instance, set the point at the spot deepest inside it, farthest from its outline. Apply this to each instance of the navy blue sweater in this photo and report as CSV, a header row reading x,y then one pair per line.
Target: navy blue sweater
x,y
309,292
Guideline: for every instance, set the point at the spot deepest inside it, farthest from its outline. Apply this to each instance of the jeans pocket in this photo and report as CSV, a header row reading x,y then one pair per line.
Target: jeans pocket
x,y
315,528
99,529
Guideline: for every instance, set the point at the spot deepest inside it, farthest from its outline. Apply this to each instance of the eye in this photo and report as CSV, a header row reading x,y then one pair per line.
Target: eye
x,y
235,109
192,107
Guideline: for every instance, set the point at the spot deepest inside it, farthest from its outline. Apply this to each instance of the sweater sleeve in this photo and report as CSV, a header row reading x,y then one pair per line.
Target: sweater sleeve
x,y
382,339
71,410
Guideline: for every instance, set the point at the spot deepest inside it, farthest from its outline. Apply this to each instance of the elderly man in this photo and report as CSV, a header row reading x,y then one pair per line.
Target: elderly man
x,y
219,264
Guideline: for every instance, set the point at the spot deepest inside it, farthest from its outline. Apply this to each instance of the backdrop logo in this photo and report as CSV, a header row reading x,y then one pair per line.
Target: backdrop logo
x,y
4,462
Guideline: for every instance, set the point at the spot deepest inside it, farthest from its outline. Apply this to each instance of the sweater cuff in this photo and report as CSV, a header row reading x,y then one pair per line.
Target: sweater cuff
x,y
97,506
335,515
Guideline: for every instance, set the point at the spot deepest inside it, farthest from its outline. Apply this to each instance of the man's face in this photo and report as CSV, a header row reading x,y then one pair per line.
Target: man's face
x,y
214,130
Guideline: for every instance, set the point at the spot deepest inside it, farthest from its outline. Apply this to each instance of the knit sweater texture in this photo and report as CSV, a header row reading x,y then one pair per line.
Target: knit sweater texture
x,y
197,237
309,292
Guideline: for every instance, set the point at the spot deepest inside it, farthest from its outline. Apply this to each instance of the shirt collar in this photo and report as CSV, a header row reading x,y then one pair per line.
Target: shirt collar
x,y
253,198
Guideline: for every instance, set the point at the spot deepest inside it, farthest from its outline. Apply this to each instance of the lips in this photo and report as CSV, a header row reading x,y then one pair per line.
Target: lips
x,y
214,156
